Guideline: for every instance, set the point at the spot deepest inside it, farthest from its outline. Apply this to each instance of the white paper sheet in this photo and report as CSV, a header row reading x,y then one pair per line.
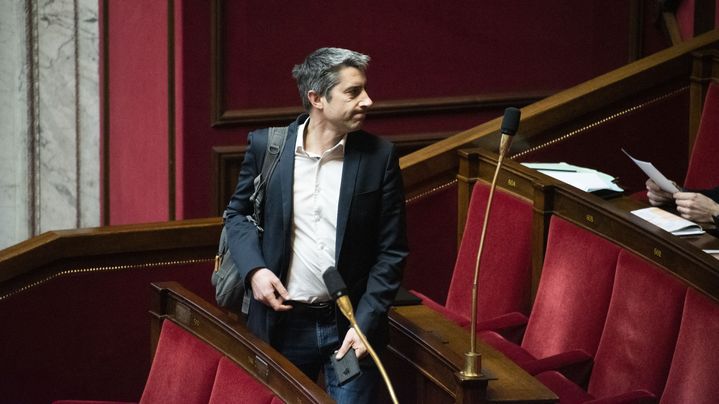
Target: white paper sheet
x,y
654,174
586,179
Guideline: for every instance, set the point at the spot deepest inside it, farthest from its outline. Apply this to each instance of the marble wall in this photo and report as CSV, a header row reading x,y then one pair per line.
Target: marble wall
x,y
49,117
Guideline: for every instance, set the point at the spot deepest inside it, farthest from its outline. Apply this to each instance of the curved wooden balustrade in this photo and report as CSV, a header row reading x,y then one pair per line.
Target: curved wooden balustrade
x,y
62,252
437,164
172,302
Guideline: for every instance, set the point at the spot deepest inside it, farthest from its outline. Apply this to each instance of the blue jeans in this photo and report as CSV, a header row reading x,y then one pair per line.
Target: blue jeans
x,y
308,344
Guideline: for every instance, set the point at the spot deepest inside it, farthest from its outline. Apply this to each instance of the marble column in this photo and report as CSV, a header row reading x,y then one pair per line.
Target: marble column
x,y
49,117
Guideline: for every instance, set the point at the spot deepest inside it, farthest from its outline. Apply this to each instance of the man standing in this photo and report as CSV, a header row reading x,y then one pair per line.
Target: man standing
x,y
335,200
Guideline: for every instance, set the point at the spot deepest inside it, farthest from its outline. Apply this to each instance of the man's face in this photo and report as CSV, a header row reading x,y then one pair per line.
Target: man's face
x,y
348,102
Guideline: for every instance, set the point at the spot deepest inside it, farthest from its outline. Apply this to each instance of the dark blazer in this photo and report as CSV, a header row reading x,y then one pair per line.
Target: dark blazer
x,y
371,244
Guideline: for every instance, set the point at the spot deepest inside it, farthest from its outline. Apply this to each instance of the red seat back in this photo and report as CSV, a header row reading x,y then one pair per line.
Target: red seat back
x,y
505,272
574,291
703,170
234,385
183,370
694,370
641,329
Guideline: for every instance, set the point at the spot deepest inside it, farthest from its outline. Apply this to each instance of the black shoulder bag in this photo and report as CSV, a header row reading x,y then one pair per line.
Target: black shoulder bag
x,y
229,285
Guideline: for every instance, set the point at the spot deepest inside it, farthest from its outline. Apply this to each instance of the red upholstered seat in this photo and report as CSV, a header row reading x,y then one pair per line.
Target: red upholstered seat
x,y
234,384
187,370
703,170
693,374
505,272
183,370
91,402
637,344
570,308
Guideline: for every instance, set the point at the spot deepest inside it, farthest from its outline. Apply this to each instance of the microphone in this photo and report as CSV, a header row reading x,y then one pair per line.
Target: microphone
x,y
338,291
510,124
472,359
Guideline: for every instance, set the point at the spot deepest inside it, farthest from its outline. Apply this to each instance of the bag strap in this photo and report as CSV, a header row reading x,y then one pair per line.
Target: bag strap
x,y
275,143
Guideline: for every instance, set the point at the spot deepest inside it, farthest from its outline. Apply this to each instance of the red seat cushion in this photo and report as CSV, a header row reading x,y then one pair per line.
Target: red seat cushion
x,y
570,393
571,303
234,384
183,370
641,329
693,374
573,293
505,269
567,391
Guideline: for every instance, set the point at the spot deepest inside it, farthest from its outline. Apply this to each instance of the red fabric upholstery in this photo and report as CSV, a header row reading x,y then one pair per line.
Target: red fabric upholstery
x,y
574,291
187,370
90,402
570,393
572,301
183,370
693,374
641,330
703,170
505,271
460,319
234,384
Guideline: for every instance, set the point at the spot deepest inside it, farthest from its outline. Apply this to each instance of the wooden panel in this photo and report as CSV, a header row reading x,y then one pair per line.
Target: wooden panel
x,y
421,169
252,85
429,345
227,160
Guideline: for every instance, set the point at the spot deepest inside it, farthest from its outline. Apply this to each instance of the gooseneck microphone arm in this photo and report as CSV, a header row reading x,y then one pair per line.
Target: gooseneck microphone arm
x,y
338,290
510,123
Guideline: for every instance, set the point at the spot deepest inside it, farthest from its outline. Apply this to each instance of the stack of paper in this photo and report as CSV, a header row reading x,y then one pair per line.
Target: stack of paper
x,y
670,222
586,179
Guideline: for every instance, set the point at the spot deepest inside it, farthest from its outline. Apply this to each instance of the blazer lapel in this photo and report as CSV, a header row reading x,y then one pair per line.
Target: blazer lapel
x,y
285,167
350,168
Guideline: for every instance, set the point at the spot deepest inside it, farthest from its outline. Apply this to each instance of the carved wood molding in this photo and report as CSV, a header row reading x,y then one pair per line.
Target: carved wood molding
x,y
223,116
421,169
226,162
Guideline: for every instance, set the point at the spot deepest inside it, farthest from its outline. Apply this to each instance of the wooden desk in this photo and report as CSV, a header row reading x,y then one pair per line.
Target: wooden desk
x,y
426,351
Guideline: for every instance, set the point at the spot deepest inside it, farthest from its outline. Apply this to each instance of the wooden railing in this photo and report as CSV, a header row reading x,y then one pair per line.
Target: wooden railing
x,y
437,163
64,252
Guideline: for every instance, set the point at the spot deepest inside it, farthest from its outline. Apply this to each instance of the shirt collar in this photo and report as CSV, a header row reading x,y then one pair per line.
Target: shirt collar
x,y
339,148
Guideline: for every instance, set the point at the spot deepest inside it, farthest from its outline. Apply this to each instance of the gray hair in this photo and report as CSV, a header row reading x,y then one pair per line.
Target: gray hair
x,y
320,71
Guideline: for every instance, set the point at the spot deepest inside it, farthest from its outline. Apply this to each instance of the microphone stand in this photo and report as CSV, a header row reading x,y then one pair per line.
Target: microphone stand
x,y
472,359
346,309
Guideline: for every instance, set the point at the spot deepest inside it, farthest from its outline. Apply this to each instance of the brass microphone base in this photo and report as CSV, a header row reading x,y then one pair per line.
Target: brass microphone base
x,y
472,366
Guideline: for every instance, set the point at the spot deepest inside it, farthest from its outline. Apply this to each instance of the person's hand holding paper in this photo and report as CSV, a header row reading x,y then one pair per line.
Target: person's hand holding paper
x,y
657,177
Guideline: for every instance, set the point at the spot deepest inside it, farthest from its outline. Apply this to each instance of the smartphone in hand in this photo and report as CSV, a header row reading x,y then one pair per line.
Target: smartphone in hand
x,y
346,368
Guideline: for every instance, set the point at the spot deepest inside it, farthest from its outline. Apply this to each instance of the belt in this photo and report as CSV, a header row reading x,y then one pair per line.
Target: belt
x,y
320,311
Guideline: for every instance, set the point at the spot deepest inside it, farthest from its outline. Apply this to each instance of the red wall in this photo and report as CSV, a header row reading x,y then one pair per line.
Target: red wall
x,y
137,99
419,49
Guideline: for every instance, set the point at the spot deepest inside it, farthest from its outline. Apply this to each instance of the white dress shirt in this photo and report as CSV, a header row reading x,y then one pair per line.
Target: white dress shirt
x,y
316,192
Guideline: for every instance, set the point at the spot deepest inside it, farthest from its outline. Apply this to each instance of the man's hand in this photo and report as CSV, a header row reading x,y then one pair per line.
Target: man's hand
x,y
352,340
268,289
656,196
696,207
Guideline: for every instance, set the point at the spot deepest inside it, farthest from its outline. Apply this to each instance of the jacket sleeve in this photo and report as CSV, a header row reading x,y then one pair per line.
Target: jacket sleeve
x,y
712,193
243,238
386,274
